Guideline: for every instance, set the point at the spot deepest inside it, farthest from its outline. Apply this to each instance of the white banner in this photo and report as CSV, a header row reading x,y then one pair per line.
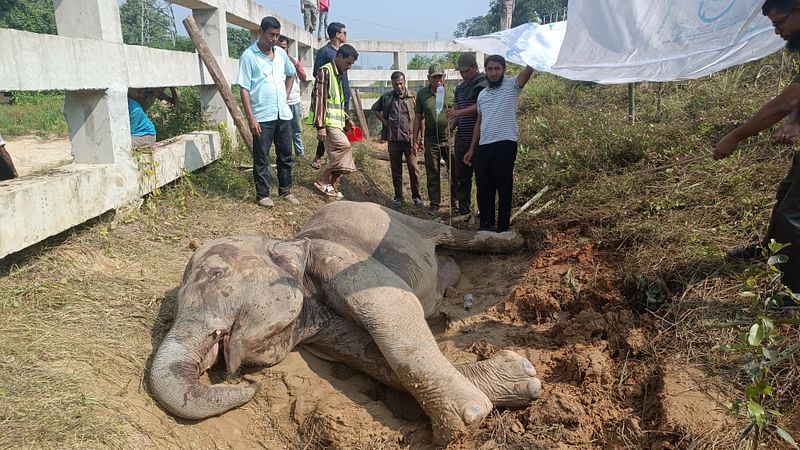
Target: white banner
x,y
616,41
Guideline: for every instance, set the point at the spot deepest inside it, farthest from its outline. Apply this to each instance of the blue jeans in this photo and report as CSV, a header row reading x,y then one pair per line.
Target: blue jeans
x,y
297,127
278,132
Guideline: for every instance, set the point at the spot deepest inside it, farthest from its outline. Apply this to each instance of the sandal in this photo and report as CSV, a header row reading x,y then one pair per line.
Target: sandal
x,y
326,189
316,164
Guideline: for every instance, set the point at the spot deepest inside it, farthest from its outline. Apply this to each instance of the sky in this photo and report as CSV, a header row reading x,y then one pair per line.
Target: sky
x,y
409,20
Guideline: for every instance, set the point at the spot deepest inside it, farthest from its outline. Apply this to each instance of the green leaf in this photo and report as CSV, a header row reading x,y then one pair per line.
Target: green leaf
x,y
756,335
747,294
777,259
746,431
770,354
775,247
786,436
756,413
735,406
767,323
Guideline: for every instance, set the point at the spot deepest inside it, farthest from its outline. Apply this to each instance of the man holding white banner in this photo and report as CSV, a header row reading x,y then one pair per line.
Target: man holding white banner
x,y
784,224
493,150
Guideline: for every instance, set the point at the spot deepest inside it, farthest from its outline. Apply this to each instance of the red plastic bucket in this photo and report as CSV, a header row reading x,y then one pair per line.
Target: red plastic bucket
x,y
355,135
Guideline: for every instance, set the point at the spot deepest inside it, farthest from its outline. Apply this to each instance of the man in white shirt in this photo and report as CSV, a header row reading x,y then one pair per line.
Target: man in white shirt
x,y
294,99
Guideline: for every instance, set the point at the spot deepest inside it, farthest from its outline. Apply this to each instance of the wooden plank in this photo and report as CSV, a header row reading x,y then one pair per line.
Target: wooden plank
x,y
362,119
219,79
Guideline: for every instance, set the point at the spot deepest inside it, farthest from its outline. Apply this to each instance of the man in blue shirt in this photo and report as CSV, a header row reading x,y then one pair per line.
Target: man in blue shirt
x,y
143,132
266,75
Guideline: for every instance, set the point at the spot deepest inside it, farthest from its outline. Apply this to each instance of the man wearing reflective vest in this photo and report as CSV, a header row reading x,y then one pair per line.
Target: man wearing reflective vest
x,y
329,117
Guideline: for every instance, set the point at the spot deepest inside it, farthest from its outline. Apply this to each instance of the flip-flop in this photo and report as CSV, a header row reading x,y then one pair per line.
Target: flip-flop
x,y
316,164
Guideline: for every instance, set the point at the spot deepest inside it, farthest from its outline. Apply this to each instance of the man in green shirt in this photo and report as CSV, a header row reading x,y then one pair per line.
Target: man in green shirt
x,y
435,131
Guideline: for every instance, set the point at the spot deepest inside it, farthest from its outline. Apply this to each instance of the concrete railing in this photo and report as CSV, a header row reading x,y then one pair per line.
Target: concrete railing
x,y
89,61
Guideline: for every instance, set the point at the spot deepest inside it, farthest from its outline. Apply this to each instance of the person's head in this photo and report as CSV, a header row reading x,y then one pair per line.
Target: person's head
x,y
435,76
785,18
337,32
467,66
269,32
399,82
495,70
283,42
346,56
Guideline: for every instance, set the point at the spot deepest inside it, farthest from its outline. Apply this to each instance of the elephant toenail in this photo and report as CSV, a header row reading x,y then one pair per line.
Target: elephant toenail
x,y
528,368
534,388
473,414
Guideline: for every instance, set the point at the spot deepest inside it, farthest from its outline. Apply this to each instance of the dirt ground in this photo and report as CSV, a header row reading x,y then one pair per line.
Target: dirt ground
x,y
32,154
80,318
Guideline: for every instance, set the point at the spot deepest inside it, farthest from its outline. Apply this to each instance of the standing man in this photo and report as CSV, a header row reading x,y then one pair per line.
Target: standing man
x,y
337,33
465,113
294,99
494,142
395,110
435,139
7,169
324,7
265,75
309,9
784,224
329,117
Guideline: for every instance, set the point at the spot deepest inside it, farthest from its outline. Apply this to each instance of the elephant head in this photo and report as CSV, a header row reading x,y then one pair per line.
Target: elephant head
x,y
239,295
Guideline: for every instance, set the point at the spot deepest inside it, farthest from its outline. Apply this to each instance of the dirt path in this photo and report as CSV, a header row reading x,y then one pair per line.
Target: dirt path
x,y
32,154
79,322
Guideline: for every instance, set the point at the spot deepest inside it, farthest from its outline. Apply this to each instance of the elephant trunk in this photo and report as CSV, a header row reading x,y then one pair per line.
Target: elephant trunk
x,y
175,380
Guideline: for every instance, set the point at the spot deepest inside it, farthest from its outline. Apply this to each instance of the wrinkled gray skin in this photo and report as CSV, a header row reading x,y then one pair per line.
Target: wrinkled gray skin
x,y
354,286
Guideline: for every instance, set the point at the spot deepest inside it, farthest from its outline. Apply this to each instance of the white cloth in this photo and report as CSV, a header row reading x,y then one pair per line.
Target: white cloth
x,y
498,108
2,142
608,41
294,94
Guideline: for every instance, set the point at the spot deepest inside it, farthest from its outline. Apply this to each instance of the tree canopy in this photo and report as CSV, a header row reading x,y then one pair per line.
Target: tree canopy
x,y
525,11
36,16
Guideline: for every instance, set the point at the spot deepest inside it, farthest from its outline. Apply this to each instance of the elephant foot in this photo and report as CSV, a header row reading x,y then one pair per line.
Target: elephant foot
x,y
451,422
507,378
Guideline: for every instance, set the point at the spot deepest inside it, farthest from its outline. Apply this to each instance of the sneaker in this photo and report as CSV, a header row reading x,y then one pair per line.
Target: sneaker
x,y
419,203
316,163
749,252
265,202
291,199
399,202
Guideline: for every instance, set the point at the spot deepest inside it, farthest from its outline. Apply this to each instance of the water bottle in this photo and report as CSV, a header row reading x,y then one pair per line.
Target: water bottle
x,y
468,301
439,99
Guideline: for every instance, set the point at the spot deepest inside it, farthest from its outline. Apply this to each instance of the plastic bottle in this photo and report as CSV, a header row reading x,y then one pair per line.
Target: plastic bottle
x,y
439,99
468,301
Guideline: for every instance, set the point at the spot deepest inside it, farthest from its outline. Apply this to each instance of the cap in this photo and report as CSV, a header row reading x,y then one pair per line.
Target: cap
x,y
435,69
466,61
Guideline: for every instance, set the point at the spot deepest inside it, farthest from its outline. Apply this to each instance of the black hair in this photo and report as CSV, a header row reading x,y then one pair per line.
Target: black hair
x,y
496,58
396,75
283,38
347,51
333,28
785,6
270,22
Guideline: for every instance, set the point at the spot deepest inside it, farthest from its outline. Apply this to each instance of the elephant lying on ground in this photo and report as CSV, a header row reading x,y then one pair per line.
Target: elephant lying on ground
x,y
354,286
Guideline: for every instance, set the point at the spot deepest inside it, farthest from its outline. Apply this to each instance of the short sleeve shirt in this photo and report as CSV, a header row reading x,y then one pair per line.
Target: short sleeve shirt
x,y
426,105
141,125
325,55
498,108
466,96
265,79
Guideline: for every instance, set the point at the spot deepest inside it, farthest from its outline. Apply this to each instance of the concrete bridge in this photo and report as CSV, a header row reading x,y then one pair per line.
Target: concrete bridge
x,y
89,61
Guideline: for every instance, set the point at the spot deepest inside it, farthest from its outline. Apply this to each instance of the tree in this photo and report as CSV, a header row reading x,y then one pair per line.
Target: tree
x,y
422,62
238,41
525,11
506,12
147,22
36,16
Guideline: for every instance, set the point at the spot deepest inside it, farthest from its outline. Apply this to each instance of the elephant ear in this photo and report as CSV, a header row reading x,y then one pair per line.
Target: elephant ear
x,y
291,256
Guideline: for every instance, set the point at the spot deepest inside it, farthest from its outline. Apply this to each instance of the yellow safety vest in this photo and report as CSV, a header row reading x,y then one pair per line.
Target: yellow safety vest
x,y
334,105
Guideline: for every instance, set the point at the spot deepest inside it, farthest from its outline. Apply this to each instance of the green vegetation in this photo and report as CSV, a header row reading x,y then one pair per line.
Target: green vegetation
x,y
37,113
525,11
36,16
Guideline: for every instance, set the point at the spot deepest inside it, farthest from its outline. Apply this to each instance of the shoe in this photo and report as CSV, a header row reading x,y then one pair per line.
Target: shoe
x,y
291,199
327,190
265,202
749,252
316,163
399,202
419,203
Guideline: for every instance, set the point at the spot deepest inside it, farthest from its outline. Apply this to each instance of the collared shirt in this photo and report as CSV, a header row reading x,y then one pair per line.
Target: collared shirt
x,y
397,111
325,55
141,125
426,104
498,108
294,95
466,96
265,79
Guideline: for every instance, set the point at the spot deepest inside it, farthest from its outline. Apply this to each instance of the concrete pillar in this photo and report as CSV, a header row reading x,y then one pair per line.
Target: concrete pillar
x,y
99,127
213,27
401,61
88,19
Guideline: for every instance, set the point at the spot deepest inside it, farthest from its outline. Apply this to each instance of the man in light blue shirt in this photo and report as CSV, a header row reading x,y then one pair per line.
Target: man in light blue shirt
x,y
266,75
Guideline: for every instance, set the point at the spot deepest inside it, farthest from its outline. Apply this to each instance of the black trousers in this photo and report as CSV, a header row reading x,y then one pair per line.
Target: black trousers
x,y
461,190
397,150
784,224
494,176
320,150
434,154
278,132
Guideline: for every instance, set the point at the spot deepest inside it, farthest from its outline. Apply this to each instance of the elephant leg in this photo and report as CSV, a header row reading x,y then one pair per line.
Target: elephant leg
x,y
507,378
365,291
447,274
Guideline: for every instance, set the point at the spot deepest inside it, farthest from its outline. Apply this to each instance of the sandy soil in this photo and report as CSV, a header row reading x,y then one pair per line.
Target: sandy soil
x,y
32,154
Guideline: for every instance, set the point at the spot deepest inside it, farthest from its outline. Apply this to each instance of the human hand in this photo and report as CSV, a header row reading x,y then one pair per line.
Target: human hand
x,y
321,134
349,125
726,146
787,134
451,114
468,157
255,128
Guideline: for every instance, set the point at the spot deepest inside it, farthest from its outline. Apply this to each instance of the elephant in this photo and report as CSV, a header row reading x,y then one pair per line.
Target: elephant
x,y
355,286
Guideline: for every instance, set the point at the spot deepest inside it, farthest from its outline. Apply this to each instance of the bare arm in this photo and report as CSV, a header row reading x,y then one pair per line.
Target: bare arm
x,y
524,76
301,72
289,83
476,137
255,128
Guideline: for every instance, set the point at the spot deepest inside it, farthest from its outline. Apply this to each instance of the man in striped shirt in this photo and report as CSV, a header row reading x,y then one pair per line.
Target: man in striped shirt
x,y
493,150
465,113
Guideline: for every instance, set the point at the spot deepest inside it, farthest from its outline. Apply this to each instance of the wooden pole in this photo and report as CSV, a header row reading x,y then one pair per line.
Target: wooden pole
x,y
362,119
219,79
632,102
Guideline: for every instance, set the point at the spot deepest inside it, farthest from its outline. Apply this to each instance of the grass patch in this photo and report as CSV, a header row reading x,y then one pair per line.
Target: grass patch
x,y
34,113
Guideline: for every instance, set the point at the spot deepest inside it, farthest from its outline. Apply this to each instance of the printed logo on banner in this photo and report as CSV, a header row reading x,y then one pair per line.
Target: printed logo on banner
x,y
712,10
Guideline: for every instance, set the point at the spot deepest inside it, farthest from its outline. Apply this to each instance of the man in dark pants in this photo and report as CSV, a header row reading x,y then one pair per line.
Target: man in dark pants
x,y
337,33
266,74
395,110
497,133
784,224
465,113
435,132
